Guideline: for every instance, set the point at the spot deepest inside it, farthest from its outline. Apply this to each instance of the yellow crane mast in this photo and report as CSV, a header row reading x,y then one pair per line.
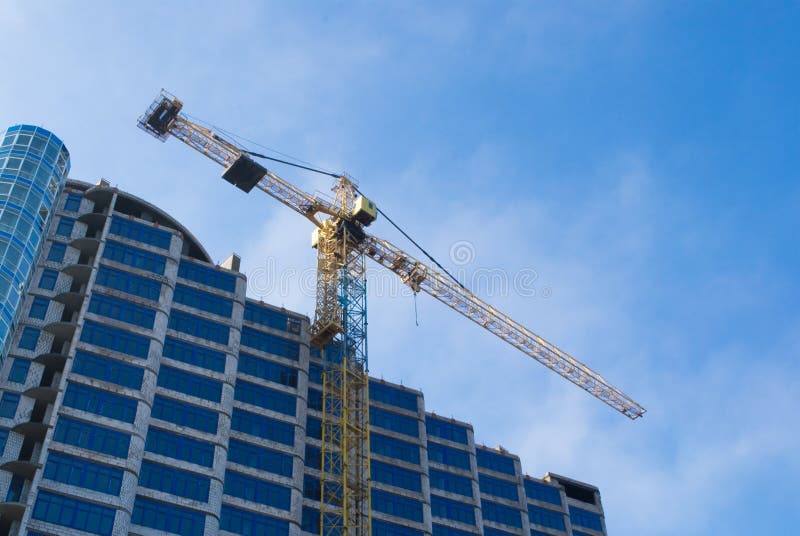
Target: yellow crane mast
x,y
339,325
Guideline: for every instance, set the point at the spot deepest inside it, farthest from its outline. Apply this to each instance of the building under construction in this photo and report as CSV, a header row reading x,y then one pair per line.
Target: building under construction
x,y
144,393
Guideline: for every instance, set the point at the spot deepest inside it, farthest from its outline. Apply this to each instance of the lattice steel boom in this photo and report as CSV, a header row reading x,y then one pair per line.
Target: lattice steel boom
x,y
425,278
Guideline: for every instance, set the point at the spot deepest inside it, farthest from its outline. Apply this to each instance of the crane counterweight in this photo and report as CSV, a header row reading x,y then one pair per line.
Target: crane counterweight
x,y
244,173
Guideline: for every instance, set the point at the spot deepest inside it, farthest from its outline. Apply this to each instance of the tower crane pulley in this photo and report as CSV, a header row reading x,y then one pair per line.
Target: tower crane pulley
x,y
339,325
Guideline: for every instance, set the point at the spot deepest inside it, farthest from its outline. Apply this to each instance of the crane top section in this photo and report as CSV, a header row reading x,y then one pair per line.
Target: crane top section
x,y
160,115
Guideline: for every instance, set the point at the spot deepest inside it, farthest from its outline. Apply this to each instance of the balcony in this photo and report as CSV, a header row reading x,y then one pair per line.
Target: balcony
x,y
13,508
34,423
27,464
51,359
79,272
24,468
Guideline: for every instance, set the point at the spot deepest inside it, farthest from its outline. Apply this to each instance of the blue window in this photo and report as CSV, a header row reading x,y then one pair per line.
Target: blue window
x,y
495,461
271,318
105,369
179,447
122,310
314,429
135,257
310,520
39,307
258,491
199,327
19,371
74,513
29,338
167,517
449,509
542,492
488,531
394,422
314,399
500,513
174,481
92,437
194,355
448,456
394,476
65,226
546,518
315,373
442,530
207,276
83,473
174,411
8,404
585,518
333,352
384,528
3,439
262,427
574,533
115,339
270,343
396,505
312,489
15,489
203,300
313,459
100,402
449,482
129,283
246,523
386,394
190,384
259,458
72,203
393,448
267,370
267,398
446,430
48,279
497,487
57,251
140,232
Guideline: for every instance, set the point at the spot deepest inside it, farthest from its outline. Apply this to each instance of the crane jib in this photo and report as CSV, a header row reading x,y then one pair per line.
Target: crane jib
x,y
164,118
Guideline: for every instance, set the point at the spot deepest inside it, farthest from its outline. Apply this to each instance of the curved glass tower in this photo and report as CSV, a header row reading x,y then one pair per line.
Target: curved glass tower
x,y
33,166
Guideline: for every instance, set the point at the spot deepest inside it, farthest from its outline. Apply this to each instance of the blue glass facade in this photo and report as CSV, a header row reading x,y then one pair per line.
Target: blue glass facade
x,y
178,406
34,164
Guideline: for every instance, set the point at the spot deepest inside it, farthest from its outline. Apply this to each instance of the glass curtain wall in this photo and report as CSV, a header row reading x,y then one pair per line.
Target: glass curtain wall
x,y
34,164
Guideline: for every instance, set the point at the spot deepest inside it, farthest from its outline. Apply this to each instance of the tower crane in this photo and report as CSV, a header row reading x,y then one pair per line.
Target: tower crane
x,y
340,323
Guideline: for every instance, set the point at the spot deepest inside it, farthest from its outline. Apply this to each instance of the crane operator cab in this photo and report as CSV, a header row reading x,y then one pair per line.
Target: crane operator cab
x,y
364,211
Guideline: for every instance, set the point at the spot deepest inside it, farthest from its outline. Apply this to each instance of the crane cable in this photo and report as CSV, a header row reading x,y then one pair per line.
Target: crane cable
x,y
310,167
430,257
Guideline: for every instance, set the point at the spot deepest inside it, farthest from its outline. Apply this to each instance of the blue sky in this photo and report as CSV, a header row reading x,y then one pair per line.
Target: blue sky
x,y
639,157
